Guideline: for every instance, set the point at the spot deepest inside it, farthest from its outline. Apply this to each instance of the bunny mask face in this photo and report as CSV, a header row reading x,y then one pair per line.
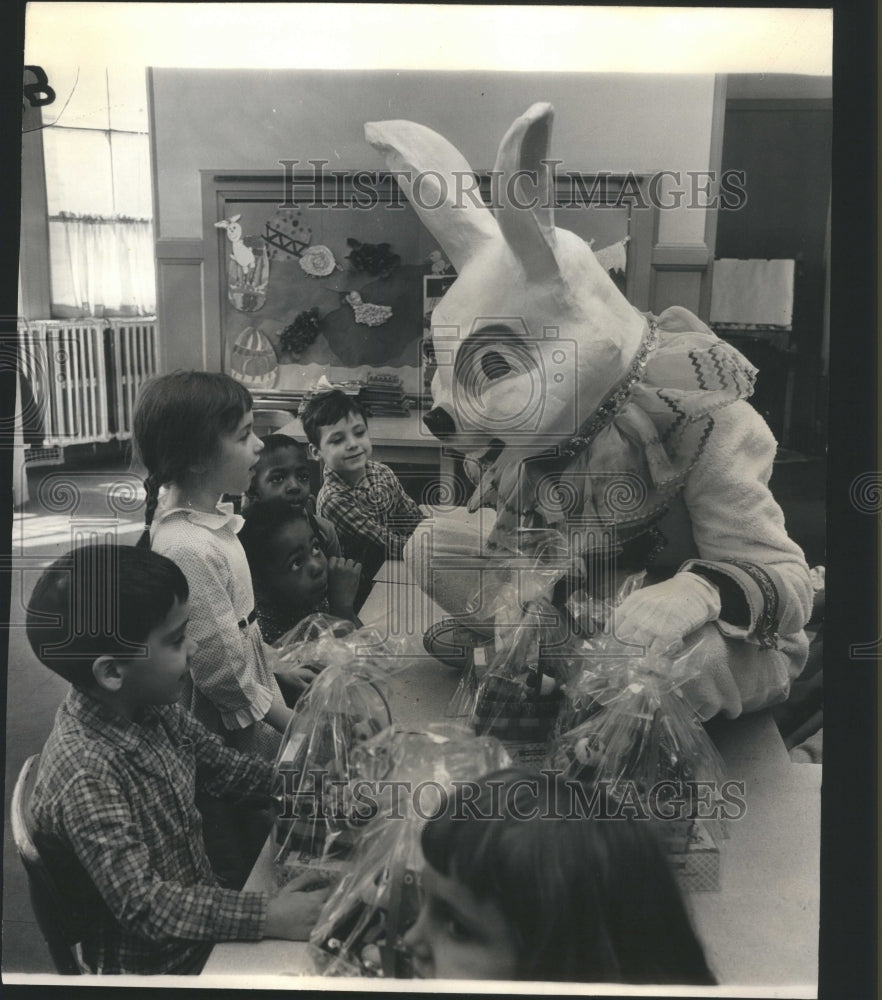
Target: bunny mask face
x,y
533,334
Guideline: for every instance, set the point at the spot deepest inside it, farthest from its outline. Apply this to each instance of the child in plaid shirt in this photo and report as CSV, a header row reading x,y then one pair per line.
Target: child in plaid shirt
x,y
114,801
364,500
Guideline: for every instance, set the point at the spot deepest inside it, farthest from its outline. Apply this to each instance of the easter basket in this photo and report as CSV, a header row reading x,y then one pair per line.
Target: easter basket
x,y
343,706
361,927
627,732
518,695
511,688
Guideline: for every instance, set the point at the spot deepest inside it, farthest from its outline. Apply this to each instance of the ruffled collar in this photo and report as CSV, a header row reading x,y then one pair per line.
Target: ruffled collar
x,y
634,455
213,520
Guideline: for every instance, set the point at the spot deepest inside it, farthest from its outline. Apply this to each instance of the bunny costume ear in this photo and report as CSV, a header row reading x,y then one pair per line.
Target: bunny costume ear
x,y
437,181
526,192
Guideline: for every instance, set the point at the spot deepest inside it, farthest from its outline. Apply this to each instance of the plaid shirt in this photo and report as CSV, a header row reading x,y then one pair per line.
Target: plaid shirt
x,y
120,796
374,519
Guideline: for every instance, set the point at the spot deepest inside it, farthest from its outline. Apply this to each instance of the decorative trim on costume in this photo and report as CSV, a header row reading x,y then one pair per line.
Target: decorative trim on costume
x,y
766,629
606,412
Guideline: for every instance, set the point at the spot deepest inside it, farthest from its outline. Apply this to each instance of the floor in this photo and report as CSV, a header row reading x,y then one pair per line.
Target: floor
x,y
96,494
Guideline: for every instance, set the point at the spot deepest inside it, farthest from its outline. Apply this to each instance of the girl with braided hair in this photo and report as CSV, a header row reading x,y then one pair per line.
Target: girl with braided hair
x,y
193,432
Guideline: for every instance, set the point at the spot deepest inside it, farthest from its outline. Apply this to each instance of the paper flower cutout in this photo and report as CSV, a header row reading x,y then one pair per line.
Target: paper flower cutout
x,y
375,259
318,261
368,313
614,257
301,332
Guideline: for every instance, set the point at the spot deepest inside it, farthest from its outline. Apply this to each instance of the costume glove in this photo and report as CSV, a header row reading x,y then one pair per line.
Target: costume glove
x,y
661,616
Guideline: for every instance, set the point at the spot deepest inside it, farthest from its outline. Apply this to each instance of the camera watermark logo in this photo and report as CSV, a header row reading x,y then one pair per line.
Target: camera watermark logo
x,y
33,368
865,494
500,382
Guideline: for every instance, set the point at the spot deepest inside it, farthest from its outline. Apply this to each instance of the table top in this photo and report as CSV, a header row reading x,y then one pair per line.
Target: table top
x,y
760,930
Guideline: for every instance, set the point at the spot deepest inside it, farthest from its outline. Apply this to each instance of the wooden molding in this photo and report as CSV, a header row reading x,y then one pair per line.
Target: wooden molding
x,y
180,249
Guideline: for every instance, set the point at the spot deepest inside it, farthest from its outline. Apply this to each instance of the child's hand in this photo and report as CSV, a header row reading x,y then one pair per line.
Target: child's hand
x,y
343,578
293,912
293,681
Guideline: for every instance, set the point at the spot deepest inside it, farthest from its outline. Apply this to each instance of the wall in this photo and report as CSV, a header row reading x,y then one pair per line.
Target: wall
x,y
250,119
33,269
784,146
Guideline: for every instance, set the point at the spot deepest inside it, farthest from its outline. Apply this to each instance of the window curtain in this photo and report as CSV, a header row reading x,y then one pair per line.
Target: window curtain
x,y
100,233
101,267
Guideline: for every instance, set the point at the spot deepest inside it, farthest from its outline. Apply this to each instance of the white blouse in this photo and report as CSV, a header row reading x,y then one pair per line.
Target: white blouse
x,y
232,680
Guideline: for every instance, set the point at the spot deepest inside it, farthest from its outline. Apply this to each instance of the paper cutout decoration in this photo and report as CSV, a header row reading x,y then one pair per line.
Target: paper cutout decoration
x,y
247,267
301,332
614,257
242,254
368,313
440,264
318,261
253,360
375,259
287,235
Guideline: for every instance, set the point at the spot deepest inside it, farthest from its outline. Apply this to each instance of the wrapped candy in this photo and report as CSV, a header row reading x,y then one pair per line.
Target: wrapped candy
x,y
596,654
627,729
360,929
511,688
343,706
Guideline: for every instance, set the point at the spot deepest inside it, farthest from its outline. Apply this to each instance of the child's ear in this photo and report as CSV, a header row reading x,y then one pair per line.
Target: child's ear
x,y
108,673
314,453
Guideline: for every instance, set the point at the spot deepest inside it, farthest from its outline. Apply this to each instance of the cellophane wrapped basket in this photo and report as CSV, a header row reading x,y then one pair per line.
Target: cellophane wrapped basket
x,y
627,731
360,929
511,687
345,705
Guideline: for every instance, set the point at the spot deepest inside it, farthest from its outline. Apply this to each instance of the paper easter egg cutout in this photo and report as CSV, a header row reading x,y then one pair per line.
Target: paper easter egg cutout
x,y
253,361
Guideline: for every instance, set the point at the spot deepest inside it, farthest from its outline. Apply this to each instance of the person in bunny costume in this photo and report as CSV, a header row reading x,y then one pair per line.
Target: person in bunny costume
x,y
576,412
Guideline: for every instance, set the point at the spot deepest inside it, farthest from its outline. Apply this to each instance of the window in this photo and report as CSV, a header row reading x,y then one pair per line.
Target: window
x,y
97,160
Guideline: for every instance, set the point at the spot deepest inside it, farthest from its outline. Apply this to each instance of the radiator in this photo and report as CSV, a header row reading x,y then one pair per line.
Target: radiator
x,y
85,375
132,359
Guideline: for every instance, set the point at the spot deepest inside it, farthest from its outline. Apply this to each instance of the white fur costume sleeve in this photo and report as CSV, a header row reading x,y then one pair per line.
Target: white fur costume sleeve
x,y
739,531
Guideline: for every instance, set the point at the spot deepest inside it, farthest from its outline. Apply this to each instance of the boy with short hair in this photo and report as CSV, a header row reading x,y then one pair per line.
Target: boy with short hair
x,y
114,799
283,471
368,506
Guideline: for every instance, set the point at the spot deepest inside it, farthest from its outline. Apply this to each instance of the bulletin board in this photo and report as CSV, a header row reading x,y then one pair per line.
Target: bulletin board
x,y
336,276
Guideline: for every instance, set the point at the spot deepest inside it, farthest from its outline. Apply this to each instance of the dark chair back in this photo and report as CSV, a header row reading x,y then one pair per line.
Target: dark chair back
x,y
55,914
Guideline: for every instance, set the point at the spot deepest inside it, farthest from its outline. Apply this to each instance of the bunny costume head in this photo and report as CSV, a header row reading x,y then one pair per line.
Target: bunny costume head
x,y
533,334
545,373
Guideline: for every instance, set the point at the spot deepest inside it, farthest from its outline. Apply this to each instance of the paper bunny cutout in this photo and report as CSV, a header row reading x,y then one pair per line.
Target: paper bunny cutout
x,y
533,333
242,255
